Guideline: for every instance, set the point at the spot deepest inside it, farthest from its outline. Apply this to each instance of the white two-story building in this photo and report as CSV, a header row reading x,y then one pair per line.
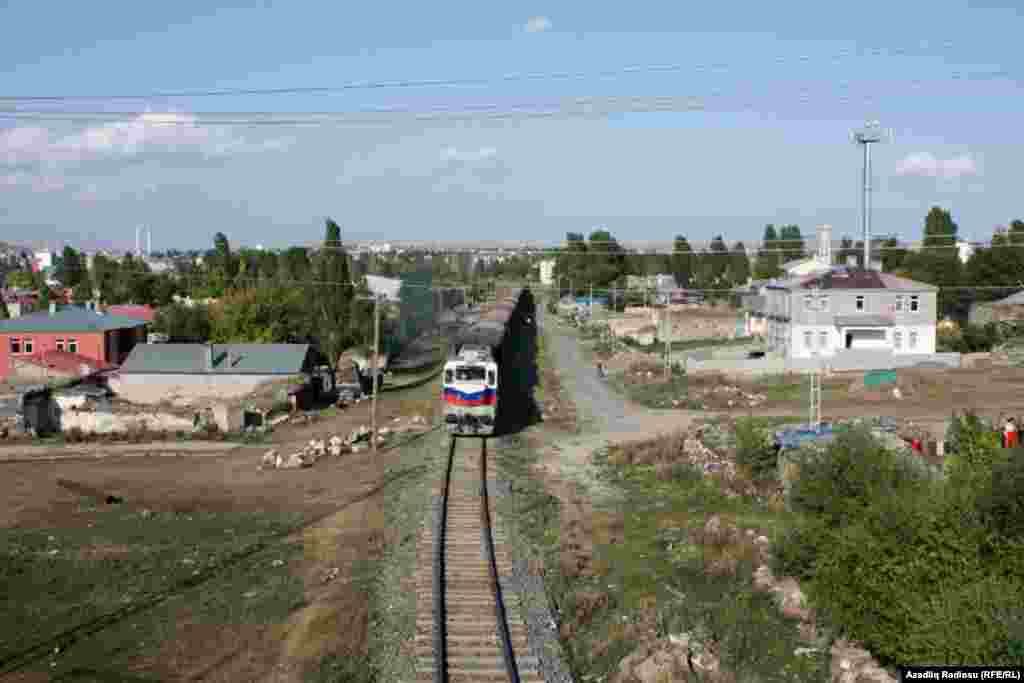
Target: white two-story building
x,y
847,310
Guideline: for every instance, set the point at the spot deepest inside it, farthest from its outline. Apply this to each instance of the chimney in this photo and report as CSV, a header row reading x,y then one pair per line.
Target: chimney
x,y
209,357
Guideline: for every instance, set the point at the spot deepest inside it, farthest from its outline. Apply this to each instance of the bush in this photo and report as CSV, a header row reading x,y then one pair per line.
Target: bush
x,y
972,441
755,449
1000,502
795,550
854,472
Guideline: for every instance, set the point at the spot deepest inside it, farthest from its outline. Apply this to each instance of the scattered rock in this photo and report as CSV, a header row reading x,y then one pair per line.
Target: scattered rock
x,y
269,460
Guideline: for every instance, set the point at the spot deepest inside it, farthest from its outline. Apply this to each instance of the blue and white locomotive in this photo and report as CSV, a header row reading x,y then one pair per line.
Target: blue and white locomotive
x,y
470,391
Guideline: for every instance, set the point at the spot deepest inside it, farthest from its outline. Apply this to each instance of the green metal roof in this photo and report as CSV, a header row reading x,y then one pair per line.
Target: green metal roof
x,y
68,320
228,359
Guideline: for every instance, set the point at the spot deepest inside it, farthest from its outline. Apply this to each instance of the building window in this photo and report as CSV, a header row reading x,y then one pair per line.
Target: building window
x,y
899,304
823,340
913,340
73,345
860,302
897,340
28,346
915,303
15,345
823,303
809,340
808,302
60,344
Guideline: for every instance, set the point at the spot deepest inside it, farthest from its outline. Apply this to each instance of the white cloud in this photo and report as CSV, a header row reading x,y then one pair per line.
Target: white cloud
x,y
538,25
927,165
149,133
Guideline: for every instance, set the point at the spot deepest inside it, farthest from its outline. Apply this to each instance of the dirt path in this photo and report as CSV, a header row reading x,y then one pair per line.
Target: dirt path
x,y
603,417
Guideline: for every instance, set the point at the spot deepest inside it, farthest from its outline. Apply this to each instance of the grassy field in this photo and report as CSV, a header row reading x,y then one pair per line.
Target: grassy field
x,y
640,566
131,571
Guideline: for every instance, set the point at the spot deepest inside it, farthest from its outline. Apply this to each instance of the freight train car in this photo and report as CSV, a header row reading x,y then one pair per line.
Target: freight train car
x,y
481,372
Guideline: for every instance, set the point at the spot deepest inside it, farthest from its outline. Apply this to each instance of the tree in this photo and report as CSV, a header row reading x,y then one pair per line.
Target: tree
x,y
83,291
333,302
45,296
683,262
768,260
268,315
892,255
69,268
184,324
104,277
791,242
938,263
718,262
739,265
23,279
571,262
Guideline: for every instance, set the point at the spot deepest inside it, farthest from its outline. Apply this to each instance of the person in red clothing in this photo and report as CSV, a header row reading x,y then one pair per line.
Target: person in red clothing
x,y
1010,434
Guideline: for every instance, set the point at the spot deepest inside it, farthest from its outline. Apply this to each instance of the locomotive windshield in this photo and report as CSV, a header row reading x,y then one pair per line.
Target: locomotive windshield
x,y
469,373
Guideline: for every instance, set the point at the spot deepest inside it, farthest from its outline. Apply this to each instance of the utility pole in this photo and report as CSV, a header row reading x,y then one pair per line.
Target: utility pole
x,y
866,136
376,369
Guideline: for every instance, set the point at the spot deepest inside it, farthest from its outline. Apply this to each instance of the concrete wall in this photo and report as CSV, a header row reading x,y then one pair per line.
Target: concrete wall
x,y
843,361
108,423
151,389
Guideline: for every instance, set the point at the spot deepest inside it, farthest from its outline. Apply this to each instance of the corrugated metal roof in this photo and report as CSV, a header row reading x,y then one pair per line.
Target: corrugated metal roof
x,y
245,359
1012,300
68,320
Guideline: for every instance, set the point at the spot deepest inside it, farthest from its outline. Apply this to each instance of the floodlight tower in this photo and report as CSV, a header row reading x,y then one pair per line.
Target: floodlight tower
x,y
869,134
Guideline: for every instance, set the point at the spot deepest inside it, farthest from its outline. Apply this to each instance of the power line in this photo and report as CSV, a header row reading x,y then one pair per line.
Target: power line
x,y
492,80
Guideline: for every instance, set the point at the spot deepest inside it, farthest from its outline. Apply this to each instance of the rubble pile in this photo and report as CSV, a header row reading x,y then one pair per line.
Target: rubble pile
x,y
357,441
732,396
707,459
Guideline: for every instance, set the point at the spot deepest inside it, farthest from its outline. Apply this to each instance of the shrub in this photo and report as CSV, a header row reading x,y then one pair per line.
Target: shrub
x,y
795,550
974,446
755,449
853,472
1000,502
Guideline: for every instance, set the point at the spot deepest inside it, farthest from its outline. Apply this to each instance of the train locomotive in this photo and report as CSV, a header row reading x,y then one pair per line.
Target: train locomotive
x,y
471,391
471,383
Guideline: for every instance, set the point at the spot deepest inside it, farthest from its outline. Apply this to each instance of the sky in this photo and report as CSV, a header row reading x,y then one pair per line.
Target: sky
x,y
756,103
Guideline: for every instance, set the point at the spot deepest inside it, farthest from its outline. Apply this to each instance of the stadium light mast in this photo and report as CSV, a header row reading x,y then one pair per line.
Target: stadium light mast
x,y
869,134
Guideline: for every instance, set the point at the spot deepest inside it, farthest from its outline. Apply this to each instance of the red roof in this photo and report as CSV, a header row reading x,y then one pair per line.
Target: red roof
x,y
139,312
64,361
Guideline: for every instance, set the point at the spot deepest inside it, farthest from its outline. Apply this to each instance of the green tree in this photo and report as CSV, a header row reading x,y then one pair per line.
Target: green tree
x,y
792,243
23,279
683,262
269,314
104,277
717,262
938,263
83,290
45,297
892,255
571,262
739,265
69,268
767,264
333,303
184,324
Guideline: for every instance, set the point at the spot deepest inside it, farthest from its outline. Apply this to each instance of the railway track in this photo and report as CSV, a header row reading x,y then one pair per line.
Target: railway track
x,y
467,629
